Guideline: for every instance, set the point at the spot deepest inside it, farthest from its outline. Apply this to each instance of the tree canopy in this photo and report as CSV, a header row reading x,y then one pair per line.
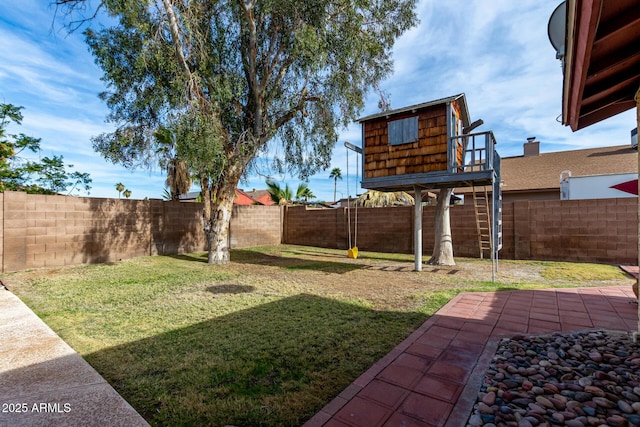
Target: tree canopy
x,y
48,175
235,79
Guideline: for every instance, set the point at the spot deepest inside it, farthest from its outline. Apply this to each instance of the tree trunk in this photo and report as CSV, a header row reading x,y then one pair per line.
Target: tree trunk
x,y
216,216
218,235
443,245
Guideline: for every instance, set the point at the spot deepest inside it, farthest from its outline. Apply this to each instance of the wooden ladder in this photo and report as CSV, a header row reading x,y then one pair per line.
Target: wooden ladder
x,y
483,219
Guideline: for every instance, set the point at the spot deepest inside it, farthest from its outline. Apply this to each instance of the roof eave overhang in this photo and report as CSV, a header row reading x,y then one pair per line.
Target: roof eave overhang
x,y
602,61
581,29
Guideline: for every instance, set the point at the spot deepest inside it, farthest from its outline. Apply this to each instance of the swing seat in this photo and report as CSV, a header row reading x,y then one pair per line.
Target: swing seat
x,y
353,252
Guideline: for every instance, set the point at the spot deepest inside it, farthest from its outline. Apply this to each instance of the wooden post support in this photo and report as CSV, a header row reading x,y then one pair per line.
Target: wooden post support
x,y
417,228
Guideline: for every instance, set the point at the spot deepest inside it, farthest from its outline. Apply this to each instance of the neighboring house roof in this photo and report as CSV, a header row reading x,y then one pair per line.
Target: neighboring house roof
x,y
190,196
542,172
261,196
243,198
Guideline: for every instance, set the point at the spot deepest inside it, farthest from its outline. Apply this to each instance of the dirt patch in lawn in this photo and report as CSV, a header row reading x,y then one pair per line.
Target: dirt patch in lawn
x,y
388,281
382,281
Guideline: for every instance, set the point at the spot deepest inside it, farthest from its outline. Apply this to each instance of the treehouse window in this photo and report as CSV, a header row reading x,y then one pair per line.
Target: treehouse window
x,y
403,131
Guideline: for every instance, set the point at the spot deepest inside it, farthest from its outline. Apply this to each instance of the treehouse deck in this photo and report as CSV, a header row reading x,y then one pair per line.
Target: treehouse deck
x,y
426,145
431,146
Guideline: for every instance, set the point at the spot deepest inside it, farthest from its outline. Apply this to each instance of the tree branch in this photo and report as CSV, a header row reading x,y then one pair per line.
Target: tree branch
x,y
175,35
291,113
252,72
69,6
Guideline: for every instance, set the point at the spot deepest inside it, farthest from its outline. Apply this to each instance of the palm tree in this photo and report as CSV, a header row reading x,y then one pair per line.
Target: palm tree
x,y
166,194
120,188
178,178
335,174
304,192
376,199
127,193
279,195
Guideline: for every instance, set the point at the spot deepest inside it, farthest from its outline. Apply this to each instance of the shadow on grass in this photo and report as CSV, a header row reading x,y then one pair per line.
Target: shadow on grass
x,y
363,255
274,364
230,289
195,257
246,256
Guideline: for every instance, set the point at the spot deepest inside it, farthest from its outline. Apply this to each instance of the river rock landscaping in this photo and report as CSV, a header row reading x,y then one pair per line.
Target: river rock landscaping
x,y
579,379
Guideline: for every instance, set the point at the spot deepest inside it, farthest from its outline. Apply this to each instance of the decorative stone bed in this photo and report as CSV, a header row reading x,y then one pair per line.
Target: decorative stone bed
x,y
579,379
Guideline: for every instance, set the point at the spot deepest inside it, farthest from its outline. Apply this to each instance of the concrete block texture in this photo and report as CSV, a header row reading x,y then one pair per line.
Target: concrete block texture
x,y
602,230
68,230
77,230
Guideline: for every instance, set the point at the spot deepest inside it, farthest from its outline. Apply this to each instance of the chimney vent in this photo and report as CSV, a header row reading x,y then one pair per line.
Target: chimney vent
x,y
531,147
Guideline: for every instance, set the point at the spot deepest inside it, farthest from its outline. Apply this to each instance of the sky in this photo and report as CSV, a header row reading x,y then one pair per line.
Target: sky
x,y
496,52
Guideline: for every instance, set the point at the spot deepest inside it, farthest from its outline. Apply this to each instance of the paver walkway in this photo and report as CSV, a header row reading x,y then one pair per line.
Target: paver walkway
x,y
44,382
432,378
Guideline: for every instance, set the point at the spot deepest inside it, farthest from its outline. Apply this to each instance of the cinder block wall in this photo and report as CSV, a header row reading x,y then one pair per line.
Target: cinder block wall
x,y
583,230
176,227
44,231
602,230
379,229
324,228
47,231
255,226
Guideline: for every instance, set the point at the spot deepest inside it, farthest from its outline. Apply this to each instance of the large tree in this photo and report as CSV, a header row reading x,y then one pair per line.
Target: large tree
x,y
304,193
237,78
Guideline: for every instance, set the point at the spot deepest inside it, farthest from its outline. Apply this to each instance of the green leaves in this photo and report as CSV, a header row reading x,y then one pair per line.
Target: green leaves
x,y
280,196
288,71
236,79
48,176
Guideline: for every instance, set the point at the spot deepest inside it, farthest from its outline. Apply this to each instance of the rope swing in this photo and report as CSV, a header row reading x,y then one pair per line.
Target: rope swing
x,y
353,250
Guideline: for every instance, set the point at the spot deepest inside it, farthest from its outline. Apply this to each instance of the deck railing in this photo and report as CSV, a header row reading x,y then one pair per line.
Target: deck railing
x,y
472,152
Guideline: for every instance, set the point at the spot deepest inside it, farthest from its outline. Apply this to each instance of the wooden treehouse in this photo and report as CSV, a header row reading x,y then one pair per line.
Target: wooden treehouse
x,y
431,146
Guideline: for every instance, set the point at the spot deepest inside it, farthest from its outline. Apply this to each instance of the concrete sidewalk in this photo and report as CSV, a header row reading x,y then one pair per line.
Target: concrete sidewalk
x,y
44,382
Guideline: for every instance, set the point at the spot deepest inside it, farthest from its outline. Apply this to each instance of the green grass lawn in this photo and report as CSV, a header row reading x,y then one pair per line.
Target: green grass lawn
x,y
268,339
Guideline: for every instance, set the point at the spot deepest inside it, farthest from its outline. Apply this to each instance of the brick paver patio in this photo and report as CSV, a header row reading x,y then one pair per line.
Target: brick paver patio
x,y
432,378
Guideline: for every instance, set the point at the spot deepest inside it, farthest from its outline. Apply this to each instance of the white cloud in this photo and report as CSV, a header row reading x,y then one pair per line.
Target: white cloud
x,y
496,52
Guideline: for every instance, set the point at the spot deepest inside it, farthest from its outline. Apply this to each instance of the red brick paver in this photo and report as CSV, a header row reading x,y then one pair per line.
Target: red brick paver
x,y
432,377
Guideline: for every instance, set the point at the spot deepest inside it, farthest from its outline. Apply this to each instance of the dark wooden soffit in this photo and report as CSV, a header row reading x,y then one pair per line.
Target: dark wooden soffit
x,y
602,63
